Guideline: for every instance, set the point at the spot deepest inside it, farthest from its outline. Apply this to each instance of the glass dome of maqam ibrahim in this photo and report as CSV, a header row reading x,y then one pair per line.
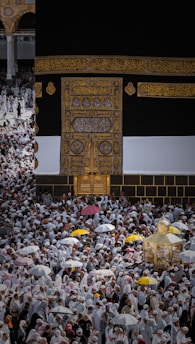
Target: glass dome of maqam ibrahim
x,y
163,225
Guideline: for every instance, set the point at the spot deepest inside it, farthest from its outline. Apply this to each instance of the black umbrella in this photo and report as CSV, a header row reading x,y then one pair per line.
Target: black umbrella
x,y
4,258
5,230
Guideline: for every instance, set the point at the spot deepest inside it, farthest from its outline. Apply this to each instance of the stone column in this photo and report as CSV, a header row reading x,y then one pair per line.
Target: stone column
x,y
9,56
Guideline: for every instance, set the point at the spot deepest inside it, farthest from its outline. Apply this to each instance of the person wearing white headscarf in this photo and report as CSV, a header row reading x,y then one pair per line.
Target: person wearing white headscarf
x,y
174,329
57,337
147,326
157,337
109,332
5,339
192,302
32,337
2,310
161,321
21,336
126,285
136,340
58,282
142,296
182,334
120,335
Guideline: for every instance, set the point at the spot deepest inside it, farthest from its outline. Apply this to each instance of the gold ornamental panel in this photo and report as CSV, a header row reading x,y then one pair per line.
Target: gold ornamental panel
x,y
91,137
142,65
38,89
165,90
92,184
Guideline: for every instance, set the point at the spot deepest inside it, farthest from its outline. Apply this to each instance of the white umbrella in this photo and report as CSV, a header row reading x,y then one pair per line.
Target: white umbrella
x,y
105,227
101,273
180,225
69,241
71,263
187,256
40,270
28,249
61,310
3,287
124,319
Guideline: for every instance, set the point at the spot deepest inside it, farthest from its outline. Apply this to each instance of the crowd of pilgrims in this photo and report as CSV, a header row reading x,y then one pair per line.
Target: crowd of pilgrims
x,y
16,97
34,225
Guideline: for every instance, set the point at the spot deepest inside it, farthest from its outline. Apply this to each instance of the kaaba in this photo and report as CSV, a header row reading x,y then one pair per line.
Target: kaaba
x,y
151,30
132,70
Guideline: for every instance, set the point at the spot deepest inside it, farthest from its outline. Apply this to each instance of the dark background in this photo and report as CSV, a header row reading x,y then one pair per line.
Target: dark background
x,y
156,29
152,28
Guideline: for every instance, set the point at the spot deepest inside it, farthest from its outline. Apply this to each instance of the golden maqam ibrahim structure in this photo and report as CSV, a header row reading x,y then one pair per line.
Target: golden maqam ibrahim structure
x,y
163,247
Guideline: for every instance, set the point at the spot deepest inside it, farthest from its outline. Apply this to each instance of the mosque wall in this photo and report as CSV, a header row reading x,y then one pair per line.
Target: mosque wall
x,y
160,189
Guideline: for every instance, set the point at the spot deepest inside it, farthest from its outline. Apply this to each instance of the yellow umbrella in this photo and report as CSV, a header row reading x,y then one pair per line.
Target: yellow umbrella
x,y
133,237
147,280
174,230
79,231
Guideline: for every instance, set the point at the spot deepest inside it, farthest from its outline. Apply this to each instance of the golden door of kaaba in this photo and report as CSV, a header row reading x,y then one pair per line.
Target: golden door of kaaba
x,y
91,138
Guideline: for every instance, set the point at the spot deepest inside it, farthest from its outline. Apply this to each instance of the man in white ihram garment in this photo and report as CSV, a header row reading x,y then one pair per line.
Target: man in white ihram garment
x,y
156,339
